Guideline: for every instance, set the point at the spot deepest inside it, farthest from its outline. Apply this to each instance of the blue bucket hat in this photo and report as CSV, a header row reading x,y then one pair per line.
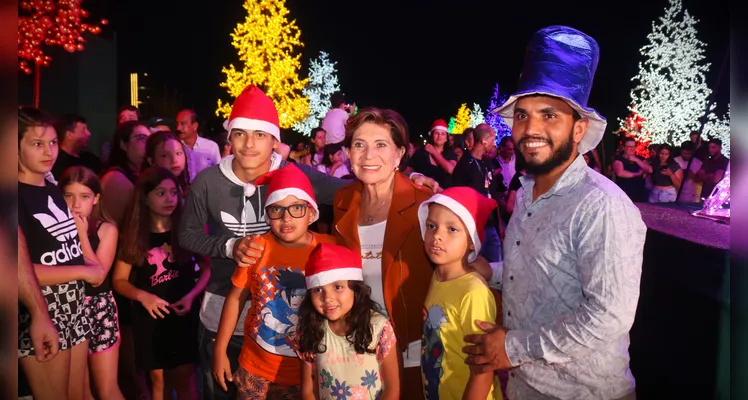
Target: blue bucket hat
x,y
561,62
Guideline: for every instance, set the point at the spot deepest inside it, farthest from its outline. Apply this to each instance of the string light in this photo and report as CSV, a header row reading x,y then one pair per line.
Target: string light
x,y
671,94
495,120
50,23
323,82
268,44
461,120
476,116
632,128
451,126
719,128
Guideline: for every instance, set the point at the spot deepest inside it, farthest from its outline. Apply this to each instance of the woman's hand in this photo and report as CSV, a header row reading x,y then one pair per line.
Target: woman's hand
x,y
423,180
155,305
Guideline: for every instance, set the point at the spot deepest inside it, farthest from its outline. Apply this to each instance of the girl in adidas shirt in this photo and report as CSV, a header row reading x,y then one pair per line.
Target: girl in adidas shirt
x,y
59,263
98,235
159,276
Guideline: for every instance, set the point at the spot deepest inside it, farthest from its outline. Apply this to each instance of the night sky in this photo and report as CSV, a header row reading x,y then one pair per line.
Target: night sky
x,y
422,59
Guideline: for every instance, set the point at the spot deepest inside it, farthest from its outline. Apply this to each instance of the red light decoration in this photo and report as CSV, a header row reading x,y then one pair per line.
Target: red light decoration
x,y
50,23
632,128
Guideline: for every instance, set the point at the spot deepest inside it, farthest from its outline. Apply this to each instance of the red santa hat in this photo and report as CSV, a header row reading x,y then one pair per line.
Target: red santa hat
x,y
470,206
439,125
329,263
288,181
254,111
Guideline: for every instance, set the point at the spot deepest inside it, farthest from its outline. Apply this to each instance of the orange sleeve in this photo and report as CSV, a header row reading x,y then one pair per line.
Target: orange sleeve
x,y
242,276
322,238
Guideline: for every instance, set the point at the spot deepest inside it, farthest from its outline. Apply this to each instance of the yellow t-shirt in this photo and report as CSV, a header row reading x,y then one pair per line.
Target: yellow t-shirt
x,y
451,309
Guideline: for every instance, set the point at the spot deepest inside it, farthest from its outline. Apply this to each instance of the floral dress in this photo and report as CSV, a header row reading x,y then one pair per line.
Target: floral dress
x,y
345,375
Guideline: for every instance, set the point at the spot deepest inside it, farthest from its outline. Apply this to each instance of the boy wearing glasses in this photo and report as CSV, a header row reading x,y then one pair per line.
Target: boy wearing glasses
x,y
268,367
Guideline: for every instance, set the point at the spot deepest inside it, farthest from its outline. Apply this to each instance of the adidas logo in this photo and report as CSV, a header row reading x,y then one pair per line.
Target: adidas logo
x,y
61,225
62,255
249,224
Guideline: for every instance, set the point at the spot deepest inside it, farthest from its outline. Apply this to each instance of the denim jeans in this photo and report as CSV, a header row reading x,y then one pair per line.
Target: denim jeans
x,y
211,390
491,247
666,195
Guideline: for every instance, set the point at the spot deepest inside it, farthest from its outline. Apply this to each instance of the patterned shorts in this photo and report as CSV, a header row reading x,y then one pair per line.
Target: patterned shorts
x,y
66,309
253,387
101,312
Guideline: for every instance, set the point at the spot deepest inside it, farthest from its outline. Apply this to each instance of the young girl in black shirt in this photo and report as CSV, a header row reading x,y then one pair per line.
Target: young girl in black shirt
x,y
59,263
159,276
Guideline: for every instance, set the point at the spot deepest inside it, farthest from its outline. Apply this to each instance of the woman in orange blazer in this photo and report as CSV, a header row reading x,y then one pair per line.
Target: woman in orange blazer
x,y
377,215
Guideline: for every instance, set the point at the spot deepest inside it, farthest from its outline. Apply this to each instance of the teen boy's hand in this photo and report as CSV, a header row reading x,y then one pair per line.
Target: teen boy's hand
x,y
44,337
248,250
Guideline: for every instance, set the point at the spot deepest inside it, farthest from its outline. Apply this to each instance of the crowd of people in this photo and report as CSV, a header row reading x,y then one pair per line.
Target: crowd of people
x,y
357,266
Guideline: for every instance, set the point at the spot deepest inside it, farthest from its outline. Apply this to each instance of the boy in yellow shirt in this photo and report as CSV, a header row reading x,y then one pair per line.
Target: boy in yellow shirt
x,y
452,226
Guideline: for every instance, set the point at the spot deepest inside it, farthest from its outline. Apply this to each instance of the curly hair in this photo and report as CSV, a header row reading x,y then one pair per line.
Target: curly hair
x,y
311,331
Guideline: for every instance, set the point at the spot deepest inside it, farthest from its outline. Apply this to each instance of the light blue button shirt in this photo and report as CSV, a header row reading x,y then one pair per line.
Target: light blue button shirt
x,y
570,286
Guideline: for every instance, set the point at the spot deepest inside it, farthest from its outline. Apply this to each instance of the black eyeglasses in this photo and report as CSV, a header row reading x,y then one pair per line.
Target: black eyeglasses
x,y
295,210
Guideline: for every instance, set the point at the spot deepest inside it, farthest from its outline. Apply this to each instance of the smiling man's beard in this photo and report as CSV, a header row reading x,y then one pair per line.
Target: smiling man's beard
x,y
561,155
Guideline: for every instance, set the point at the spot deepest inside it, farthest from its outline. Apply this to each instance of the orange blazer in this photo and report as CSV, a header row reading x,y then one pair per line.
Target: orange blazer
x,y
406,270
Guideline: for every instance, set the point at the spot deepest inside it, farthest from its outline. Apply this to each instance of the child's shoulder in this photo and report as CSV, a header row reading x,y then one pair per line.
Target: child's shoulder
x,y
476,290
475,284
378,322
378,319
469,286
323,238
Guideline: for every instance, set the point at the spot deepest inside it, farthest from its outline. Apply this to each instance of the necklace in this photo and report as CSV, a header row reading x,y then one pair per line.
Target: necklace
x,y
370,217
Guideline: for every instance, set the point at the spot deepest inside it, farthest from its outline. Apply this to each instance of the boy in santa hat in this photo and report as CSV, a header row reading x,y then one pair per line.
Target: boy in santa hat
x,y
268,366
452,225
227,198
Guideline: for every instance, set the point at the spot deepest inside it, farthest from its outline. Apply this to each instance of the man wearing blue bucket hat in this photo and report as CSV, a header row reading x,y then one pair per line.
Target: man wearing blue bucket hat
x,y
573,246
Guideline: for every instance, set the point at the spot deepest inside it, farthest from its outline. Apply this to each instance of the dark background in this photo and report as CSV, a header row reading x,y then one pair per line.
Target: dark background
x,y
422,59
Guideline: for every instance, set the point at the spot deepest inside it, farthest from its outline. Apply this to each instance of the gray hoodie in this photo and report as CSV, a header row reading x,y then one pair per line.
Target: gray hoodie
x,y
232,209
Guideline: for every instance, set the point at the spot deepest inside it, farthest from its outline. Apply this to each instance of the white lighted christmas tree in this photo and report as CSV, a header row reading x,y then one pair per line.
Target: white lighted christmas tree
x,y
476,116
719,128
323,82
670,92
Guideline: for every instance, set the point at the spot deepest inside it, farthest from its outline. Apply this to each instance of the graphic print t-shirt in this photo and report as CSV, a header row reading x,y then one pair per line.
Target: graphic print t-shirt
x,y
48,225
340,369
161,274
277,286
450,311
52,240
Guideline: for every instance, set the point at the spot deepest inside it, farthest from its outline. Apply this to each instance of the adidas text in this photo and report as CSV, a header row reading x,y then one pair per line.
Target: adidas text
x,y
66,253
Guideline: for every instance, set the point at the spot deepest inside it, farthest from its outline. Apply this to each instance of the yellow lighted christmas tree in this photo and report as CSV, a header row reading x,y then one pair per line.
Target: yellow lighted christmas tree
x,y
268,47
462,120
